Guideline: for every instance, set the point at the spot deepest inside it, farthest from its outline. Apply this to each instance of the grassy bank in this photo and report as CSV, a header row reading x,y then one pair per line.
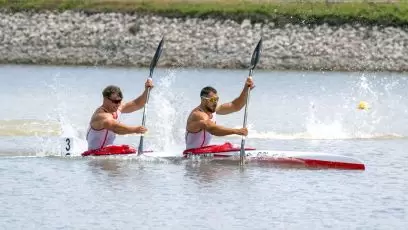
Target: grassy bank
x,y
303,12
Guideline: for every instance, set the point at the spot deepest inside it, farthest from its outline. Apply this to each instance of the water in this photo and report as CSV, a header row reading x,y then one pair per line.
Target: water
x,y
306,111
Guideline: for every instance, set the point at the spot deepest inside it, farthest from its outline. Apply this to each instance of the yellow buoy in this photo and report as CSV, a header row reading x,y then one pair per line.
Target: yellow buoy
x,y
363,105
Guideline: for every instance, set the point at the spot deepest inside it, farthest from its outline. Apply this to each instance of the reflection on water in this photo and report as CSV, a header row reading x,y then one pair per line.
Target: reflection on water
x,y
208,171
111,167
28,127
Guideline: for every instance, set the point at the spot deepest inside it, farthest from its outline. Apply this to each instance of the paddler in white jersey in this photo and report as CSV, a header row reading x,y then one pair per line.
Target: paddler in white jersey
x,y
104,124
201,124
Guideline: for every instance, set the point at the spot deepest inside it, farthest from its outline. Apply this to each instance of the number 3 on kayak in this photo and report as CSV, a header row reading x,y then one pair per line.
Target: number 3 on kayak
x,y
67,145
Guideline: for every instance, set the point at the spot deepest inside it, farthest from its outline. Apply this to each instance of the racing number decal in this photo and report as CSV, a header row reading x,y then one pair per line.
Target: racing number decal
x,y
68,147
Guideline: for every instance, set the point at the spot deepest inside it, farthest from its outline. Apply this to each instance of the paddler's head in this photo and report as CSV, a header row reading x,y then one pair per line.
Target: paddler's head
x,y
209,99
112,97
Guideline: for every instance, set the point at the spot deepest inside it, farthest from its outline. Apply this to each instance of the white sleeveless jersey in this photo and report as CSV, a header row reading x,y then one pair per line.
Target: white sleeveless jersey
x,y
100,138
199,139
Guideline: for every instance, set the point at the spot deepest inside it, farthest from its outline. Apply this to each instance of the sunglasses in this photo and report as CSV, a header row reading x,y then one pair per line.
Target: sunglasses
x,y
212,99
115,101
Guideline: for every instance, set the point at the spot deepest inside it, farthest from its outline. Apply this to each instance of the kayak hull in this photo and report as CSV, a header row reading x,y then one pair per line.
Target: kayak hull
x,y
228,151
306,159
309,160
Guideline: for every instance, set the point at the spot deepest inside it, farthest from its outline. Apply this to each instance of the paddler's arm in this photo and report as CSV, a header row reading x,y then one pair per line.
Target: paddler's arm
x,y
199,122
218,130
119,128
238,103
139,102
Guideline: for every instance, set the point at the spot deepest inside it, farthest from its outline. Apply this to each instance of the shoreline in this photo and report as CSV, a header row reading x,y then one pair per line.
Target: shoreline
x,y
245,70
333,12
122,39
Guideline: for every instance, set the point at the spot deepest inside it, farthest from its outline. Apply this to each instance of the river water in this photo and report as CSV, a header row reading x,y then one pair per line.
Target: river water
x,y
302,111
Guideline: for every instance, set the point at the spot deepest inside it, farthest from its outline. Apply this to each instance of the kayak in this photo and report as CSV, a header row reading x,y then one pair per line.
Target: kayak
x,y
305,159
228,151
113,150
110,150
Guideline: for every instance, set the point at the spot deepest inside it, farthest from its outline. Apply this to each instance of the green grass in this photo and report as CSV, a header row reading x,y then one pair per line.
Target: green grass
x,y
307,12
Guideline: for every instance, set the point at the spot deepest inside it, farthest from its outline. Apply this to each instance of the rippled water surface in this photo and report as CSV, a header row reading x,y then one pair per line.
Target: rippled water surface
x,y
302,111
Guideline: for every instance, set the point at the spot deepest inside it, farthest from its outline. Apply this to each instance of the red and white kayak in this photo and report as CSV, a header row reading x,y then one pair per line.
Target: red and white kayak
x,y
305,159
230,152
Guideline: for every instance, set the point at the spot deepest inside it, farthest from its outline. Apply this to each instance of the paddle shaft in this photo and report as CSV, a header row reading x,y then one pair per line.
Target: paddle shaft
x,y
140,149
242,152
152,66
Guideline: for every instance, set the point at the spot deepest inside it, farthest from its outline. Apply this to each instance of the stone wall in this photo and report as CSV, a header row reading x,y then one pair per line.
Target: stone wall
x,y
75,38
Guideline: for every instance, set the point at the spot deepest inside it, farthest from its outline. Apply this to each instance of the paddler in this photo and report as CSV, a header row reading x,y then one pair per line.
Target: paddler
x,y
104,124
201,124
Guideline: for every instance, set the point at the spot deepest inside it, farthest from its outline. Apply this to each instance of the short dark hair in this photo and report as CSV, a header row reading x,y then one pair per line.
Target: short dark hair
x,y
207,90
112,89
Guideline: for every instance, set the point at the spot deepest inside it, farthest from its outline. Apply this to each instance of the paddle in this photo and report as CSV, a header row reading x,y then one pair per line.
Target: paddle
x,y
254,61
152,66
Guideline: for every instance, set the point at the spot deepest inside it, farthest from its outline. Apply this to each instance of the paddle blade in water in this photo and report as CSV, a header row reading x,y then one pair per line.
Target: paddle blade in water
x,y
156,57
256,54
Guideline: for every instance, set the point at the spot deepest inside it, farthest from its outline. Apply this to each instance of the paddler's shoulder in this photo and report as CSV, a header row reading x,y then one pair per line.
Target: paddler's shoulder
x,y
199,114
101,113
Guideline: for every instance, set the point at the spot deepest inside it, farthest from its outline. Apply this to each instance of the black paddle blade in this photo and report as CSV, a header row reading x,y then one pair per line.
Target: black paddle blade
x,y
156,57
256,54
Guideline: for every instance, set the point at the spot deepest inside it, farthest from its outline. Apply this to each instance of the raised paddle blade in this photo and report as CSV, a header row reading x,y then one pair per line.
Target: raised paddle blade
x,y
256,54
254,61
156,56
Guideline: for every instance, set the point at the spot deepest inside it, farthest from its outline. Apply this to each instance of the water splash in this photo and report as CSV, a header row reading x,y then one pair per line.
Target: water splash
x,y
331,117
169,117
60,114
336,116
